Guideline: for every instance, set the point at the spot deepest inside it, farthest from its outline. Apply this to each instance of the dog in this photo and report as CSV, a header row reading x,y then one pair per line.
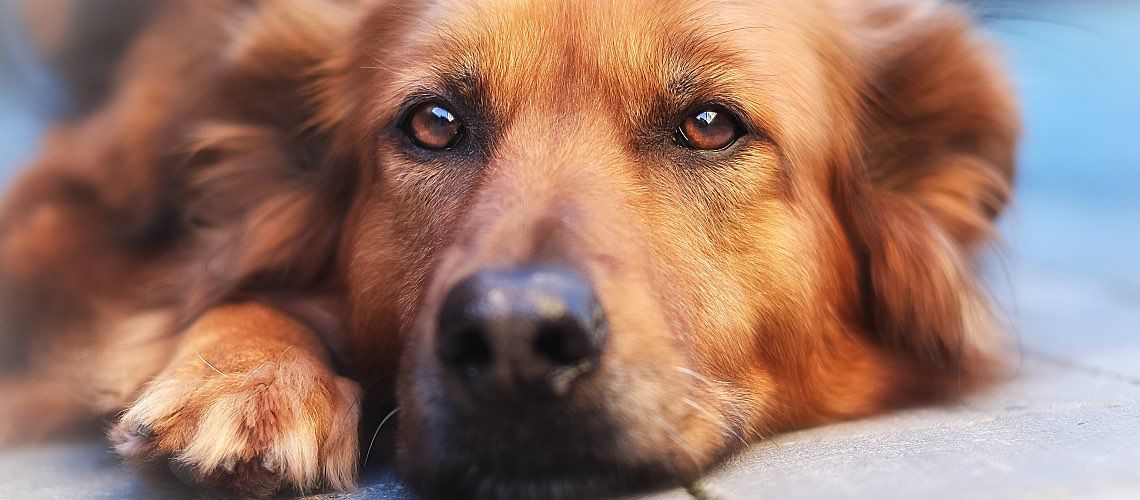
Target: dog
x,y
567,248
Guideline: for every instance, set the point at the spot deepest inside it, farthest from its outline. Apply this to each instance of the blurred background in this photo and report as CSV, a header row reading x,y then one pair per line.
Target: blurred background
x,y
57,60
1069,271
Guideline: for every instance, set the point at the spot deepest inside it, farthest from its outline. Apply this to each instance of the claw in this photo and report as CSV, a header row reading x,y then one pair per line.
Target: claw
x,y
270,464
144,430
229,464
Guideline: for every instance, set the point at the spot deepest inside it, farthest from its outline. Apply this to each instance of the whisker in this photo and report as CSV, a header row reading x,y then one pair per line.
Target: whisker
x,y
757,430
259,367
713,419
368,454
208,363
255,370
698,376
688,451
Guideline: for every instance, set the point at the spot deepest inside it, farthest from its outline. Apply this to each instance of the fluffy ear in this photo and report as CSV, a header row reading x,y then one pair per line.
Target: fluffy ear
x,y
268,177
936,163
233,142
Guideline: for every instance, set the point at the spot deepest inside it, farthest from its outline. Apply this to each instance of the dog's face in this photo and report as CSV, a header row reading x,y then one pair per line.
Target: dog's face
x,y
615,240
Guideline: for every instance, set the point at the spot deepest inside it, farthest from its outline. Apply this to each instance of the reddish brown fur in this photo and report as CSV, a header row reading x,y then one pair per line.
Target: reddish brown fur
x,y
248,173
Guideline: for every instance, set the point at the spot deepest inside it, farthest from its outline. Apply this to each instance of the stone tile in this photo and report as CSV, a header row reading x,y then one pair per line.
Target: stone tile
x,y
376,483
79,469
1052,431
383,484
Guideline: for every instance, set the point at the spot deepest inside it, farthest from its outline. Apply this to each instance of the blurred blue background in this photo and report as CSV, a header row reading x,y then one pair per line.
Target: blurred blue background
x,y
1077,68
1071,275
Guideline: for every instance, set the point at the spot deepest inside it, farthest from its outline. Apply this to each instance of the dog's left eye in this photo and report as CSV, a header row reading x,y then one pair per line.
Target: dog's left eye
x,y
432,126
709,129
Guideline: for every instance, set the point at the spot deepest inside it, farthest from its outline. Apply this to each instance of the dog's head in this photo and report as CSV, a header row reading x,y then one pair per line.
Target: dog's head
x,y
608,242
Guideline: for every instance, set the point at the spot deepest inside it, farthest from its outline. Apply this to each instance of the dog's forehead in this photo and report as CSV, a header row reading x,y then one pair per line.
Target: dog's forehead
x,y
563,54
537,45
579,39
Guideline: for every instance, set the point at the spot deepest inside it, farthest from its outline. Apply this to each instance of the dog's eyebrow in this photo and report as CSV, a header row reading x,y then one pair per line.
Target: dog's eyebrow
x,y
702,85
466,85
689,85
459,84
464,81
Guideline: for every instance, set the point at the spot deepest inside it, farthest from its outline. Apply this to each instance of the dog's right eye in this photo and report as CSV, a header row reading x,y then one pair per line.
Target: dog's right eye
x,y
709,129
432,126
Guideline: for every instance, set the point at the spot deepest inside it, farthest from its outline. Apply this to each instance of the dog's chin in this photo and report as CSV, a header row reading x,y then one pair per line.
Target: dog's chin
x,y
594,483
457,474
544,455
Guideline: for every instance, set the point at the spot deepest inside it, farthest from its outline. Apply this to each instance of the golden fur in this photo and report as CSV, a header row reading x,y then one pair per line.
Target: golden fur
x,y
239,231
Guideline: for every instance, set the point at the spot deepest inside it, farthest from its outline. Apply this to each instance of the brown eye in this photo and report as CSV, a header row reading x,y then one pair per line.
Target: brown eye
x,y
709,130
432,126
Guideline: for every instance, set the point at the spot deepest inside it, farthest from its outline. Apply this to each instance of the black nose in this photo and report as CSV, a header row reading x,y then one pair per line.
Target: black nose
x,y
533,331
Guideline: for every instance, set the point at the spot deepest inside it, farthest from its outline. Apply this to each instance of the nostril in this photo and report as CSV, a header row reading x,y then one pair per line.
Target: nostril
x,y
463,340
561,343
464,347
566,349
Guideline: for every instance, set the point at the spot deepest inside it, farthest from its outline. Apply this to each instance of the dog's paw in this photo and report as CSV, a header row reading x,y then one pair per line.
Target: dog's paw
x,y
289,423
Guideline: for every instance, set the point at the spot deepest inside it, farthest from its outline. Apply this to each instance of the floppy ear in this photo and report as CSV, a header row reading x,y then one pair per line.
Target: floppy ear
x,y
267,178
935,168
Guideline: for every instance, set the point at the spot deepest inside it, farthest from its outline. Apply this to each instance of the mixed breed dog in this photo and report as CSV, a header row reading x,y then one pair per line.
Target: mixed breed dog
x,y
584,247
